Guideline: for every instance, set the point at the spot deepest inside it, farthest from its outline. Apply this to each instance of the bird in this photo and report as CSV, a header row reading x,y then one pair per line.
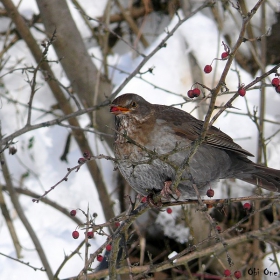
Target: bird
x,y
154,151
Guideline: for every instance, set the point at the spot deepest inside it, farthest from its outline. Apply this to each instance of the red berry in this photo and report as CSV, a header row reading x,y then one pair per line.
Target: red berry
x,y
99,258
275,82
224,55
75,234
144,199
109,247
90,234
169,210
237,274
219,229
190,93
73,213
196,92
208,69
210,193
227,272
247,206
117,224
277,89
242,91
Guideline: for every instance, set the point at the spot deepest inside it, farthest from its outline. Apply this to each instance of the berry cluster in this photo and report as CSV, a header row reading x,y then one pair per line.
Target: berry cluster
x,y
224,56
276,83
193,92
90,235
237,273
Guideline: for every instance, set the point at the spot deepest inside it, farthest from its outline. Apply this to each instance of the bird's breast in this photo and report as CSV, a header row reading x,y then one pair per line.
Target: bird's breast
x,y
129,138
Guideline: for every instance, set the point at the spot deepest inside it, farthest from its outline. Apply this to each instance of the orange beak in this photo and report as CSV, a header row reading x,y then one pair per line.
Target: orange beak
x,y
118,110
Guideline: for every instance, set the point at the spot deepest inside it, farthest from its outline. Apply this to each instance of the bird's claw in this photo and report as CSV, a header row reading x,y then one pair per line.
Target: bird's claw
x,y
167,192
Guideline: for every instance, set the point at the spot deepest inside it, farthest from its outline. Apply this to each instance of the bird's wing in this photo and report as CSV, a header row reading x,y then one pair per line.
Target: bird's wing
x,y
186,126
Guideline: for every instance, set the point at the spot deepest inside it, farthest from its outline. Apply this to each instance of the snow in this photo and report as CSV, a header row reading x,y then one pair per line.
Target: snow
x,y
172,72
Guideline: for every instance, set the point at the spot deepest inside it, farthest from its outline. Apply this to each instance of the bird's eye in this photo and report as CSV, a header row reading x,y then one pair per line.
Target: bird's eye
x,y
133,104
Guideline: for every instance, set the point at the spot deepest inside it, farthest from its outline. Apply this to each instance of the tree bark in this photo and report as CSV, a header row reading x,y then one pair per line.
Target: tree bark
x,y
82,142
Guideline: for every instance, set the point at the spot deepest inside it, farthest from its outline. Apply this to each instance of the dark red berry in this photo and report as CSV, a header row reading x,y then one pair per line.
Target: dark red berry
x,y
196,92
275,82
190,93
247,206
109,247
75,234
208,69
117,224
224,55
169,210
227,272
144,199
73,213
219,229
242,91
81,160
237,274
278,89
90,234
99,258
210,193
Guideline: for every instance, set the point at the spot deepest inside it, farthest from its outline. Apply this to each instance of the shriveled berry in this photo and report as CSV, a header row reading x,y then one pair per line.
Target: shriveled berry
x,y
237,274
99,258
117,224
247,206
219,229
169,210
278,89
209,206
75,234
73,213
90,234
210,193
86,154
190,93
242,92
81,160
196,92
275,82
109,247
227,272
208,69
224,55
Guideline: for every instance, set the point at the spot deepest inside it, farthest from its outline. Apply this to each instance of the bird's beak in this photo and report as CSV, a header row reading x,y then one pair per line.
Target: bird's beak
x,y
116,110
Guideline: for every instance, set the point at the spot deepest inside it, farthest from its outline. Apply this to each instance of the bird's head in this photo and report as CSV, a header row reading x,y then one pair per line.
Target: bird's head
x,y
130,104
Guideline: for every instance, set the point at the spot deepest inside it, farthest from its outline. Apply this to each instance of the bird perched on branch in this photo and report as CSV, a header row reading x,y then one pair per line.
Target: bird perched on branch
x,y
156,151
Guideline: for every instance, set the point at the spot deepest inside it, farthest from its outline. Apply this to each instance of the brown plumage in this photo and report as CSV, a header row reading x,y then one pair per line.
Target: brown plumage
x,y
146,139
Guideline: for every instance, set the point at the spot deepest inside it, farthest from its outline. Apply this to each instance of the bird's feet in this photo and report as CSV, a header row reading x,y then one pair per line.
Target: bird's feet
x,y
167,192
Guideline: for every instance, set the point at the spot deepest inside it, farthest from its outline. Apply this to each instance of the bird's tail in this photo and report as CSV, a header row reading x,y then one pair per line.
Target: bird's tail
x,y
264,177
